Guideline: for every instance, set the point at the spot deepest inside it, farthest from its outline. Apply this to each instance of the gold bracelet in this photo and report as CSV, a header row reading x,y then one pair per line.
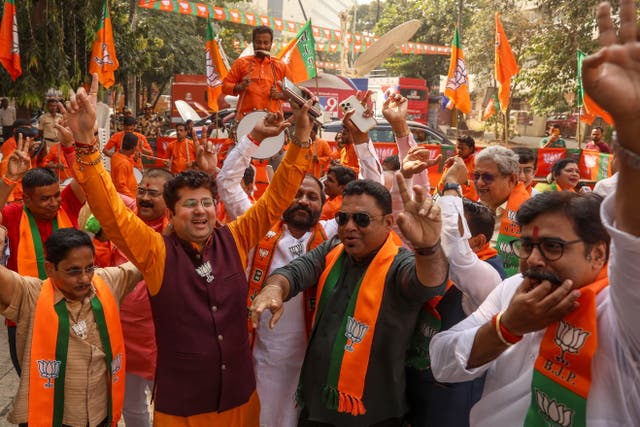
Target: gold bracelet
x,y
301,144
91,163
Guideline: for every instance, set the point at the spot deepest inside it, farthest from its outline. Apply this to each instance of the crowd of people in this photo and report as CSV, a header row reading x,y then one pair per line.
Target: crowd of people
x,y
347,292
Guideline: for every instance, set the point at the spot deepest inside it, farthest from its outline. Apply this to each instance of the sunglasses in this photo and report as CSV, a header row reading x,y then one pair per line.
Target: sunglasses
x,y
361,219
487,178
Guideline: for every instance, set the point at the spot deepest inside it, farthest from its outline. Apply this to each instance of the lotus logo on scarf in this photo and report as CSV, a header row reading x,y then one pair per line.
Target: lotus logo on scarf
x,y
354,332
569,339
116,364
554,411
428,331
49,369
205,271
263,252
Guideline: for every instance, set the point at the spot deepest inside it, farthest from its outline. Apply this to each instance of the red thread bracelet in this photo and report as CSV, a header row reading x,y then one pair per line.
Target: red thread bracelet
x,y
505,334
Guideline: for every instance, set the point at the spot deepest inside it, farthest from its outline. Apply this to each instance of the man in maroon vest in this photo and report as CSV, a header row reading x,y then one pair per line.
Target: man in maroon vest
x,y
196,274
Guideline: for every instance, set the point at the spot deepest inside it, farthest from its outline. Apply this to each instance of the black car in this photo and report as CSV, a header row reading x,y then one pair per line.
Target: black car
x,y
382,132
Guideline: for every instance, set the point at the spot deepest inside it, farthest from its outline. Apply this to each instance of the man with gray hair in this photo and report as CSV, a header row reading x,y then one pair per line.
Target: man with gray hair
x,y
496,180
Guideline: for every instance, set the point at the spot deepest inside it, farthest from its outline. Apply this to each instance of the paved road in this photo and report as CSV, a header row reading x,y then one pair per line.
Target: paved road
x,y
8,377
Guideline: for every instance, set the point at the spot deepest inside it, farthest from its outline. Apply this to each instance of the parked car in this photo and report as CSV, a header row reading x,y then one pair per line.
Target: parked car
x,y
568,124
382,132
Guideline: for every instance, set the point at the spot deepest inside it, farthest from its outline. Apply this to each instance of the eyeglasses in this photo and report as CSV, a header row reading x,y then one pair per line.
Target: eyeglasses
x,y
361,219
151,193
207,202
77,272
487,178
550,248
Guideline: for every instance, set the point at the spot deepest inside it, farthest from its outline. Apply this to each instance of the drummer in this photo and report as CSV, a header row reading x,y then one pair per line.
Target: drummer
x,y
257,79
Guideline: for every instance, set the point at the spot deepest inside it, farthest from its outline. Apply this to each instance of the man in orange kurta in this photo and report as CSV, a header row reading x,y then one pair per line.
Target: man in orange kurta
x,y
465,149
192,220
257,78
56,160
115,142
122,167
182,151
337,178
322,155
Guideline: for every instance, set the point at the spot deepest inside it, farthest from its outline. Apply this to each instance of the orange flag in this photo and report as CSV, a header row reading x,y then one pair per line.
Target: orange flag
x,y
506,65
103,53
457,89
300,55
217,68
9,46
590,109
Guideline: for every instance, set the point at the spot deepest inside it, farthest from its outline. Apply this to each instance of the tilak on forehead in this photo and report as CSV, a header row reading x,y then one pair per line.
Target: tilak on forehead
x,y
535,232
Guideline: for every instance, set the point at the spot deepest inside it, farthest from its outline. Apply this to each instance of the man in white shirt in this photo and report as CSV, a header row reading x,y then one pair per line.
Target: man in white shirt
x,y
560,347
7,118
279,352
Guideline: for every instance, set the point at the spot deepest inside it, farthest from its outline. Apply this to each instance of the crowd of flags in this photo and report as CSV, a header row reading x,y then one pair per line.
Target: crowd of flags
x,y
300,55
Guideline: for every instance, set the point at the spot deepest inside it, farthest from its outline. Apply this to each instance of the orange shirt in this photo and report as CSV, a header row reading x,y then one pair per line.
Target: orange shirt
x,y
349,158
262,177
468,189
331,207
115,142
56,157
321,157
263,74
182,155
122,175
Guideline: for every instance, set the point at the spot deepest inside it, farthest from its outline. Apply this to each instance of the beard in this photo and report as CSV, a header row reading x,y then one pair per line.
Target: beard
x,y
261,54
540,275
290,218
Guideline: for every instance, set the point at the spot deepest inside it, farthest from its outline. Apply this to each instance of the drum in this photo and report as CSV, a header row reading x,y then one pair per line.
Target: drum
x,y
270,146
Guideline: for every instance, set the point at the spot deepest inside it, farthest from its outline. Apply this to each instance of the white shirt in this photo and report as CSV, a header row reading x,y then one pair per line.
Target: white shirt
x,y
279,352
474,277
606,186
7,116
614,397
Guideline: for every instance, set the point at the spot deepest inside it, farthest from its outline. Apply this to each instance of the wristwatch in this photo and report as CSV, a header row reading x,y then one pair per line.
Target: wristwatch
x,y
451,186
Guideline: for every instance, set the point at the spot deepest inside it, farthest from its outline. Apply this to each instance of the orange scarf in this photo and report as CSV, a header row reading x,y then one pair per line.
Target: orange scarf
x,y
510,230
562,372
486,252
262,263
352,348
30,249
49,346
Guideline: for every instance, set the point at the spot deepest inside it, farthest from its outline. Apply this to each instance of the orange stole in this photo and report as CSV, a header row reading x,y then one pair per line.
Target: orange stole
x,y
262,263
30,250
45,364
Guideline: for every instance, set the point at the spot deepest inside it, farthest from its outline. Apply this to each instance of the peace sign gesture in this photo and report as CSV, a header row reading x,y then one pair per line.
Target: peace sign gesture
x,y
19,161
420,222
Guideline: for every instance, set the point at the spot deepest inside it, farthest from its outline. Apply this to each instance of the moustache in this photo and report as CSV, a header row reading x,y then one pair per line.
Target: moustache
x,y
262,53
542,275
145,204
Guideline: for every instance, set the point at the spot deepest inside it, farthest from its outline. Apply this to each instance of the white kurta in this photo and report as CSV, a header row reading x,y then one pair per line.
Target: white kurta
x,y
614,397
279,352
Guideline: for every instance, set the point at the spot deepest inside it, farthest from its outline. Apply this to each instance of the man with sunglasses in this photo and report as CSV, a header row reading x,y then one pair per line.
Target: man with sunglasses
x,y
195,273
496,180
69,336
279,352
560,344
370,293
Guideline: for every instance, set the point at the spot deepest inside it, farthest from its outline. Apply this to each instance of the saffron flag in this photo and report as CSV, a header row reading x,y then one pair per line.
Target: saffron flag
x,y
590,109
9,46
300,55
506,65
490,108
457,89
103,53
217,67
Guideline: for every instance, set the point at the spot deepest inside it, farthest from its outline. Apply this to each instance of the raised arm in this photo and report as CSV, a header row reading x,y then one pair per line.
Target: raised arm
x,y
235,200
611,77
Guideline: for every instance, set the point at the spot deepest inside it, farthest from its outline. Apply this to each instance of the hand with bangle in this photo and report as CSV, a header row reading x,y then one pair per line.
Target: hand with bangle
x,y
394,110
80,114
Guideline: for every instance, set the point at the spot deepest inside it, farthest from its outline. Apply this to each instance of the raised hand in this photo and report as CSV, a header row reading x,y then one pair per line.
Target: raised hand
x,y
19,161
272,124
420,223
394,110
457,171
417,160
207,157
611,76
64,133
80,112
